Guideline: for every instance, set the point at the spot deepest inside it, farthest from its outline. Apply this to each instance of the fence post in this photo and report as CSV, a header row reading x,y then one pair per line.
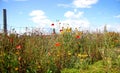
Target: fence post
x,y
5,21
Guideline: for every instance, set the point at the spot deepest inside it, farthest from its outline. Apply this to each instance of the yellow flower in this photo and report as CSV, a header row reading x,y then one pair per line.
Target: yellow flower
x,y
58,55
82,55
39,66
16,68
68,29
69,53
76,31
62,32
79,55
17,53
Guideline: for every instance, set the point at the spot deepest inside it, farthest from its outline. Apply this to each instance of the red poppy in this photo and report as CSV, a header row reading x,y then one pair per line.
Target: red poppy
x,y
57,44
61,30
52,24
18,47
78,37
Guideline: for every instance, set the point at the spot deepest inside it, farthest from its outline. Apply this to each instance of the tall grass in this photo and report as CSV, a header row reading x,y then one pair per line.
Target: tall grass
x,y
56,52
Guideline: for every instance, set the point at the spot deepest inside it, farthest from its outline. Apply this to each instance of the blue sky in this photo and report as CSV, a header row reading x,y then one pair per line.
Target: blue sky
x,y
81,14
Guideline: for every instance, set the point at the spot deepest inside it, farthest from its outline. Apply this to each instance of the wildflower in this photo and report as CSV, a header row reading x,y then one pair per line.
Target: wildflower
x,y
79,55
61,30
39,66
49,53
76,31
69,29
58,55
82,55
78,37
57,44
18,47
52,24
19,58
69,53
16,68
17,53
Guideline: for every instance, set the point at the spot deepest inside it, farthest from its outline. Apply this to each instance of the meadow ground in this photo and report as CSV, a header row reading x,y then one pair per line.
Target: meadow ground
x,y
69,52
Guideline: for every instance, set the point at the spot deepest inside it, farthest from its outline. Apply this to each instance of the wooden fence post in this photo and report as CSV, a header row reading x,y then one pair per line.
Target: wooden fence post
x,y
5,21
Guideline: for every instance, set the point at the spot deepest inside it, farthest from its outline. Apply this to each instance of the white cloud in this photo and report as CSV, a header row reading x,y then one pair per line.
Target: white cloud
x,y
70,14
80,4
39,17
84,3
117,16
79,23
75,19
64,5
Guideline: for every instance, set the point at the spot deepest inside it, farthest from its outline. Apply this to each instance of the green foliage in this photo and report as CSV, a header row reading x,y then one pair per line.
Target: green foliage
x,y
55,53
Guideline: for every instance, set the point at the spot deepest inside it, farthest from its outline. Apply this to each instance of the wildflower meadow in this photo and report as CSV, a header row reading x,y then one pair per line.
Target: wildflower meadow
x,y
65,52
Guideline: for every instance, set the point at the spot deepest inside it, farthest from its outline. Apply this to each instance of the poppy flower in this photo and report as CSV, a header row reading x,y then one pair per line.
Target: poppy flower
x,y
78,37
57,44
61,30
52,24
18,47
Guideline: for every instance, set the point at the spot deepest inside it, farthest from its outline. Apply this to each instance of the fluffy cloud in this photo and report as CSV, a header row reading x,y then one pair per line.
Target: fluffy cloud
x,y
70,14
84,3
80,4
79,23
39,17
75,20
64,5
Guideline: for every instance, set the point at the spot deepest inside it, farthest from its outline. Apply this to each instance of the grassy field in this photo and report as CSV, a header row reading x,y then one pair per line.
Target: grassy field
x,y
68,52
